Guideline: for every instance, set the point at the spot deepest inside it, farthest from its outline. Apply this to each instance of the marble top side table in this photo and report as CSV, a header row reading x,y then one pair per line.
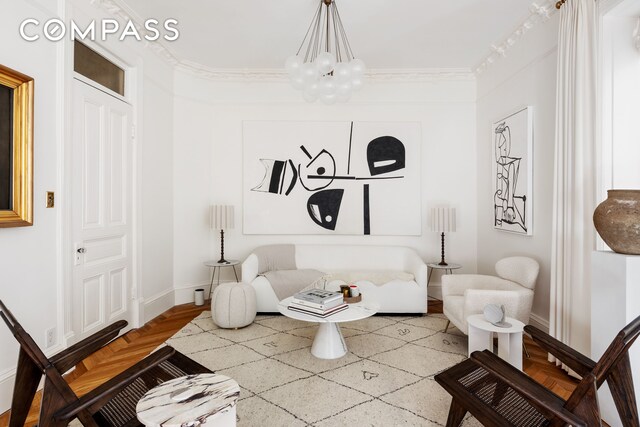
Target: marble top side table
x,y
193,400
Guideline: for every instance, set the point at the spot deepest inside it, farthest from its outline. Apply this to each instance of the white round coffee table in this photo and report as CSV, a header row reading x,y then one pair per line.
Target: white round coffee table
x,y
509,339
328,342
202,399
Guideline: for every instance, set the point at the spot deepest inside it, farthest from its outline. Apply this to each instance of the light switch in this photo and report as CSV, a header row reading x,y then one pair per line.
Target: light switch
x,y
50,199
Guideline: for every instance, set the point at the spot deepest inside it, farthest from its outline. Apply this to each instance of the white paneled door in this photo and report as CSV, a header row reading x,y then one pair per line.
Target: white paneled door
x,y
102,210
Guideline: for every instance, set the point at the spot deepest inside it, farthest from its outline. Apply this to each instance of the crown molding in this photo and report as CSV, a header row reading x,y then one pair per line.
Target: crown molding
x,y
280,75
540,12
120,10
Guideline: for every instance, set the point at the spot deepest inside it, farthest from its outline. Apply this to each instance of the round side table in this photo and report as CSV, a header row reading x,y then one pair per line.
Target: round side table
x,y
509,339
215,265
448,269
193,400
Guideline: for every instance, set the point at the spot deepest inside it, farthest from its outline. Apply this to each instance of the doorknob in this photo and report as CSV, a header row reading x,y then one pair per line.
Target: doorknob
x,y
81,250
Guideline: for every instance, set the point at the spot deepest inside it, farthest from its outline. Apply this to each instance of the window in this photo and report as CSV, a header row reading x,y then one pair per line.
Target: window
x,y
98,68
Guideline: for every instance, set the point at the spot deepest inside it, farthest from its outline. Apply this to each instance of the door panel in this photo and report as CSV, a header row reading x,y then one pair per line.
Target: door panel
x,y
117,176
92,295
117,293
99,251
92,147
102,200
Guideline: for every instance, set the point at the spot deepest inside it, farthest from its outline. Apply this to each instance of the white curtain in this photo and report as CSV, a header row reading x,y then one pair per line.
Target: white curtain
x,y
574,176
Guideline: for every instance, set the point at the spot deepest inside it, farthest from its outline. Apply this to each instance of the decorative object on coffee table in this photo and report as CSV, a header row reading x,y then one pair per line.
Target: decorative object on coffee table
x,y
233,305
192,400
443,219
353,300
617,221
221,218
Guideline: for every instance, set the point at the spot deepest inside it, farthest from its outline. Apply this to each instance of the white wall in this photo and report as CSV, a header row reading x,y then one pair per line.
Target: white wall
x,y
208,162
527,76
28,255
621,97
156,189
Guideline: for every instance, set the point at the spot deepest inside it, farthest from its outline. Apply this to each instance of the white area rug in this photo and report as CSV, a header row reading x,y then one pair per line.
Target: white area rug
x,y
386,378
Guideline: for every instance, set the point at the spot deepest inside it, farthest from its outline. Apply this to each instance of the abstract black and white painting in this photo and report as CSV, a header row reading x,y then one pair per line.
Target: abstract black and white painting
x,y
512,171
360,178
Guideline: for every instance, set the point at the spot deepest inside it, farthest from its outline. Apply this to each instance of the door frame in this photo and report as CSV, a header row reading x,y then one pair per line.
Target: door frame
x,y
131,63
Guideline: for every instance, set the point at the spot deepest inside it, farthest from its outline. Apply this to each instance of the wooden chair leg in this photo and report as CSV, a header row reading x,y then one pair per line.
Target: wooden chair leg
x,y
27,378
447,327
526,352
456,414
621,385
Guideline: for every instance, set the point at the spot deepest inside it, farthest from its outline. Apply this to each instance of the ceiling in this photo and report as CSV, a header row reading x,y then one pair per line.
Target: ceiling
x,y
386,34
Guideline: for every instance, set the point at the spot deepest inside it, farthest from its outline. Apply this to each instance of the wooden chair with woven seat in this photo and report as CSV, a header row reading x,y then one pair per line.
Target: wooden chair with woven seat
x,y
498,394
110,404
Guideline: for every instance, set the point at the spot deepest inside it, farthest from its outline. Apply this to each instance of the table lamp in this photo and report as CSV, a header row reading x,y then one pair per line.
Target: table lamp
x,y
221,218
443,220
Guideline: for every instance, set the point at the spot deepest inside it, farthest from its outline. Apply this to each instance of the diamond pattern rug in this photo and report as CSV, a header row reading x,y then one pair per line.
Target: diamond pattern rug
x,y
386,378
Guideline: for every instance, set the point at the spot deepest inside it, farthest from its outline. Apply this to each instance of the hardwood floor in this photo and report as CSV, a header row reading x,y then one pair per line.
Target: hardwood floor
x,y
136,344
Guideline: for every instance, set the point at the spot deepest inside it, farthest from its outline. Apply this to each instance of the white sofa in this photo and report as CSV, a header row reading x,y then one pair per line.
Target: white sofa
x,y
403,293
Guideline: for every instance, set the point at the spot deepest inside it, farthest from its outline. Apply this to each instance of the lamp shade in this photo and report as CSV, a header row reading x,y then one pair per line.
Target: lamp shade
x,y
221,217
443,220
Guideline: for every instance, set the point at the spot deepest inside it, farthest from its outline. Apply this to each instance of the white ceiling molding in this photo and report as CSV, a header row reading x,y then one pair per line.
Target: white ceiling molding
x,y
119,10
280,75
636,35
541,11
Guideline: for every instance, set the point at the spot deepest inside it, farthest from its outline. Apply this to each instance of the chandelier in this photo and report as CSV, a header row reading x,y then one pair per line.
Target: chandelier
x,y
324,67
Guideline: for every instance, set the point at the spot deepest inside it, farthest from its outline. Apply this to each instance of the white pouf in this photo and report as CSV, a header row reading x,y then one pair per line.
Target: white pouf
x,y
233,305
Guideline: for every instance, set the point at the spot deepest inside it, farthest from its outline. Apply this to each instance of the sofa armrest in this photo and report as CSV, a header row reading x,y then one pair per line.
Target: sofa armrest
x,y
517,303
416,266
457,284
250,268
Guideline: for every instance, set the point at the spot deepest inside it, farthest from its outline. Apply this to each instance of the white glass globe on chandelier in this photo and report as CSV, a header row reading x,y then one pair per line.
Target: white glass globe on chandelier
x,y
324,67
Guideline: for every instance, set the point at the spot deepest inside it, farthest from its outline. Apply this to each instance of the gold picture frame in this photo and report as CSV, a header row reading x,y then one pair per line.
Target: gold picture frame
x,y
16,145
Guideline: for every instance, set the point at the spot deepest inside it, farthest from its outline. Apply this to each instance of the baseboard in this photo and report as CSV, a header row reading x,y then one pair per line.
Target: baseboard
x,y
157,305
185,294
7,379
539,322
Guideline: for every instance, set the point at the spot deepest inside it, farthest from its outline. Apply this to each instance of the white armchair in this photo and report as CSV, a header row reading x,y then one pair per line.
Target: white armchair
x,y
467,294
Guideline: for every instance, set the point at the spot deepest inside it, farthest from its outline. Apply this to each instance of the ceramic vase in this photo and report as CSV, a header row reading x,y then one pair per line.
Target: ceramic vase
x,y
617,221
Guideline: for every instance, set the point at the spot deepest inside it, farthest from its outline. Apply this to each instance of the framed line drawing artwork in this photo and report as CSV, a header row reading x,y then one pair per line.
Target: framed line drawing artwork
x,y
332,178
16,148
512,172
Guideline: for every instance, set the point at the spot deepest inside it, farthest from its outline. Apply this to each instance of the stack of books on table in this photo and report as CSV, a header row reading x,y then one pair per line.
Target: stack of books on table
x,y
318,302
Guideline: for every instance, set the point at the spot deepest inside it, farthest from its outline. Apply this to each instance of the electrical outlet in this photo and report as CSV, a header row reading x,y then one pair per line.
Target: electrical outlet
x,y
50,338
